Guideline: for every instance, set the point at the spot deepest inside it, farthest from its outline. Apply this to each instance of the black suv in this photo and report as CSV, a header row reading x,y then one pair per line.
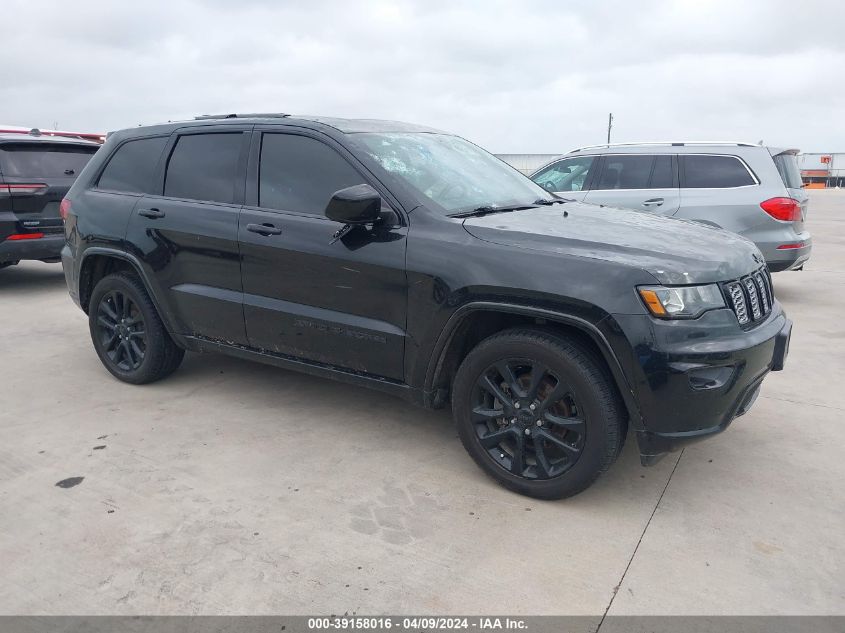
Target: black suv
x,y
35,174
411,261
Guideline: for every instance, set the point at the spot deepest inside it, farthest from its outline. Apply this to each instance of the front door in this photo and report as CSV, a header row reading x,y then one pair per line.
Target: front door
x,y
340,302
569,177
645,182
187,237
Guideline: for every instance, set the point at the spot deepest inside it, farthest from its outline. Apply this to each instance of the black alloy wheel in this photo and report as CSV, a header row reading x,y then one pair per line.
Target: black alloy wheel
x,y
527,419
127,331
120,327
538,411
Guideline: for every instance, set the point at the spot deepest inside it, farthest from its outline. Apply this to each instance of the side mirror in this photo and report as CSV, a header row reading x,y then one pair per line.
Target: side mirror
x,y
360,204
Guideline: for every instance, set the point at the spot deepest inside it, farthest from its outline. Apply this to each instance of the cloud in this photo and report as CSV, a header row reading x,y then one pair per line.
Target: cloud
x,y
535,76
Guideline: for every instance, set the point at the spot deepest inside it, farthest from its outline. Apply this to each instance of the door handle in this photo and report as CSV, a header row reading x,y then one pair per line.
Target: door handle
x,y
654,202
264,229
151,213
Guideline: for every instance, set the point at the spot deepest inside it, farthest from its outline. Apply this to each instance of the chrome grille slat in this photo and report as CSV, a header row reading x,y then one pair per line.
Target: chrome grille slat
x,y
753,300
751,297
764,295
738,300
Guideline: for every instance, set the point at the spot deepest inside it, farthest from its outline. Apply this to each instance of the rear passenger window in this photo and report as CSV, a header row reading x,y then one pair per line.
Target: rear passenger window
x,y
625,172
131,167
661,174
712,172
204,167
301,174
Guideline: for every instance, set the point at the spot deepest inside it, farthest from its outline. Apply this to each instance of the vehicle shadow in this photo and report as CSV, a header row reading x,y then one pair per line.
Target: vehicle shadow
x,y
363,416
30,278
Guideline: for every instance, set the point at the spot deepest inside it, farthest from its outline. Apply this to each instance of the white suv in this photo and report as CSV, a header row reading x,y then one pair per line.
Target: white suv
x,y
749,189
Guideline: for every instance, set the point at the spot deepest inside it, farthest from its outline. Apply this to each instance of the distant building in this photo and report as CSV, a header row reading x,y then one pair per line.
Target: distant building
x,y
527,163
819,171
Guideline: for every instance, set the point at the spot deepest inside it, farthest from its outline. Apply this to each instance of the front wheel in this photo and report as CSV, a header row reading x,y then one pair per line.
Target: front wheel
x,y
127,333
538,412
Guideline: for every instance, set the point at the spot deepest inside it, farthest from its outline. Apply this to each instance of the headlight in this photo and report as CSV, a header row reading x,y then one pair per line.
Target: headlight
x,y
681,302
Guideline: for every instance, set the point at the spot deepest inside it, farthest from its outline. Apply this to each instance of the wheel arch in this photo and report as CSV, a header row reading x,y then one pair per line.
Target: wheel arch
x,y
97,262
452,347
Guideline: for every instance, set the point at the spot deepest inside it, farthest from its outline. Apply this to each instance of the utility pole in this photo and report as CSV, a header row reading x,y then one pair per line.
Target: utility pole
x,y
609,125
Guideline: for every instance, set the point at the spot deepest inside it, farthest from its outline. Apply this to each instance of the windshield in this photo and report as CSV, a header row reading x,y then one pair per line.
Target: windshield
x,y
450,171
43,160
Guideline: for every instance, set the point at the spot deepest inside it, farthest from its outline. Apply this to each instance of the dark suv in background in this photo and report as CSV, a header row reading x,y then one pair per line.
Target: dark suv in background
x,y
411,261
35,174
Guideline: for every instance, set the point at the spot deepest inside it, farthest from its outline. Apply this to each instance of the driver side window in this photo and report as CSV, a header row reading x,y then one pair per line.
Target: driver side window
x,y
569,174
300,174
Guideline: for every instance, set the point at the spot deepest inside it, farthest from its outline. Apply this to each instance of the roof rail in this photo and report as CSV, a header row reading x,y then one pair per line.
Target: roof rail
x,y
252,115
85,136
670,143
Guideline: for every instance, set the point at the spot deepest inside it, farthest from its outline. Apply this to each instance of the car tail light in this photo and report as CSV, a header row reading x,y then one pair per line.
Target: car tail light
x,y
786,247
22,190
64,208
783,209
25,236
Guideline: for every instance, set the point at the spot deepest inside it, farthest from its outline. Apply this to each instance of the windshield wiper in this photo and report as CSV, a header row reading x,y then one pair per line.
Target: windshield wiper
x,y
488,209
546,202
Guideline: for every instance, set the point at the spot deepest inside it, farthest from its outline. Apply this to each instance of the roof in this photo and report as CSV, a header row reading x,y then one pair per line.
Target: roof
x,y
355,126
344,126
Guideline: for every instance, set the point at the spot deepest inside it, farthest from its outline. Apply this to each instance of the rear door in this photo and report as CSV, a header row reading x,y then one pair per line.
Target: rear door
x,y
186,234
568,177
34,177
787,163
644,182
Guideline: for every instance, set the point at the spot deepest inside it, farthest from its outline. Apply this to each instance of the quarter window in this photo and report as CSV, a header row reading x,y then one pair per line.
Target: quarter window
x,y
204,167
570,174
715,172
131,167
300,174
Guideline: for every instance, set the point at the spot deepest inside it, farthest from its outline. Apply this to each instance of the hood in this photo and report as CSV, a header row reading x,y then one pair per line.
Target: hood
x,y
674,251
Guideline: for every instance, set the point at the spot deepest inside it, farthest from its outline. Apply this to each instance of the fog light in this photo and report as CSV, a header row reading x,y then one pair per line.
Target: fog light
x,y
708,378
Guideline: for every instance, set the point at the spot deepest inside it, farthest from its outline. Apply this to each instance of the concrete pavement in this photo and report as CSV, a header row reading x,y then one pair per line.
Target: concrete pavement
x,y
234,487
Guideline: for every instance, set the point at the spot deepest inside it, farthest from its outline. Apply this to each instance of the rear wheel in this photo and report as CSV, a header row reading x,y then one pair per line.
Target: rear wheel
x,y
127,333
538,413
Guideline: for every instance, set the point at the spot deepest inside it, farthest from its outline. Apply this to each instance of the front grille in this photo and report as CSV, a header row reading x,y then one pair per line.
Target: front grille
x,y
751,297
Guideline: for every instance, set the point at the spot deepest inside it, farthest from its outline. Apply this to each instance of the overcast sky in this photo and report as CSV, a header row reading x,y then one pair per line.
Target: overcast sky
x,y
512,76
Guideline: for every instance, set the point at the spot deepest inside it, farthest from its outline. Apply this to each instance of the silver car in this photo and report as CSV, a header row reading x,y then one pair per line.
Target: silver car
x,y
749,189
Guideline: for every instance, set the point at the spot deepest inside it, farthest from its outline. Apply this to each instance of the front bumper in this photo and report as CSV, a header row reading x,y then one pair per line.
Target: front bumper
x,y
48,247
691,379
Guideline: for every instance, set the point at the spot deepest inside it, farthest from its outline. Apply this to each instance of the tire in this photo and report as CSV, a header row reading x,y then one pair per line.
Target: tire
x,y
127,332
569,426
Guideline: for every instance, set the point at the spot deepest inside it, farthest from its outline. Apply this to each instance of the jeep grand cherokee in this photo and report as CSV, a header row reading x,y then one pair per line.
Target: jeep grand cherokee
x,y
411,261
35,173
